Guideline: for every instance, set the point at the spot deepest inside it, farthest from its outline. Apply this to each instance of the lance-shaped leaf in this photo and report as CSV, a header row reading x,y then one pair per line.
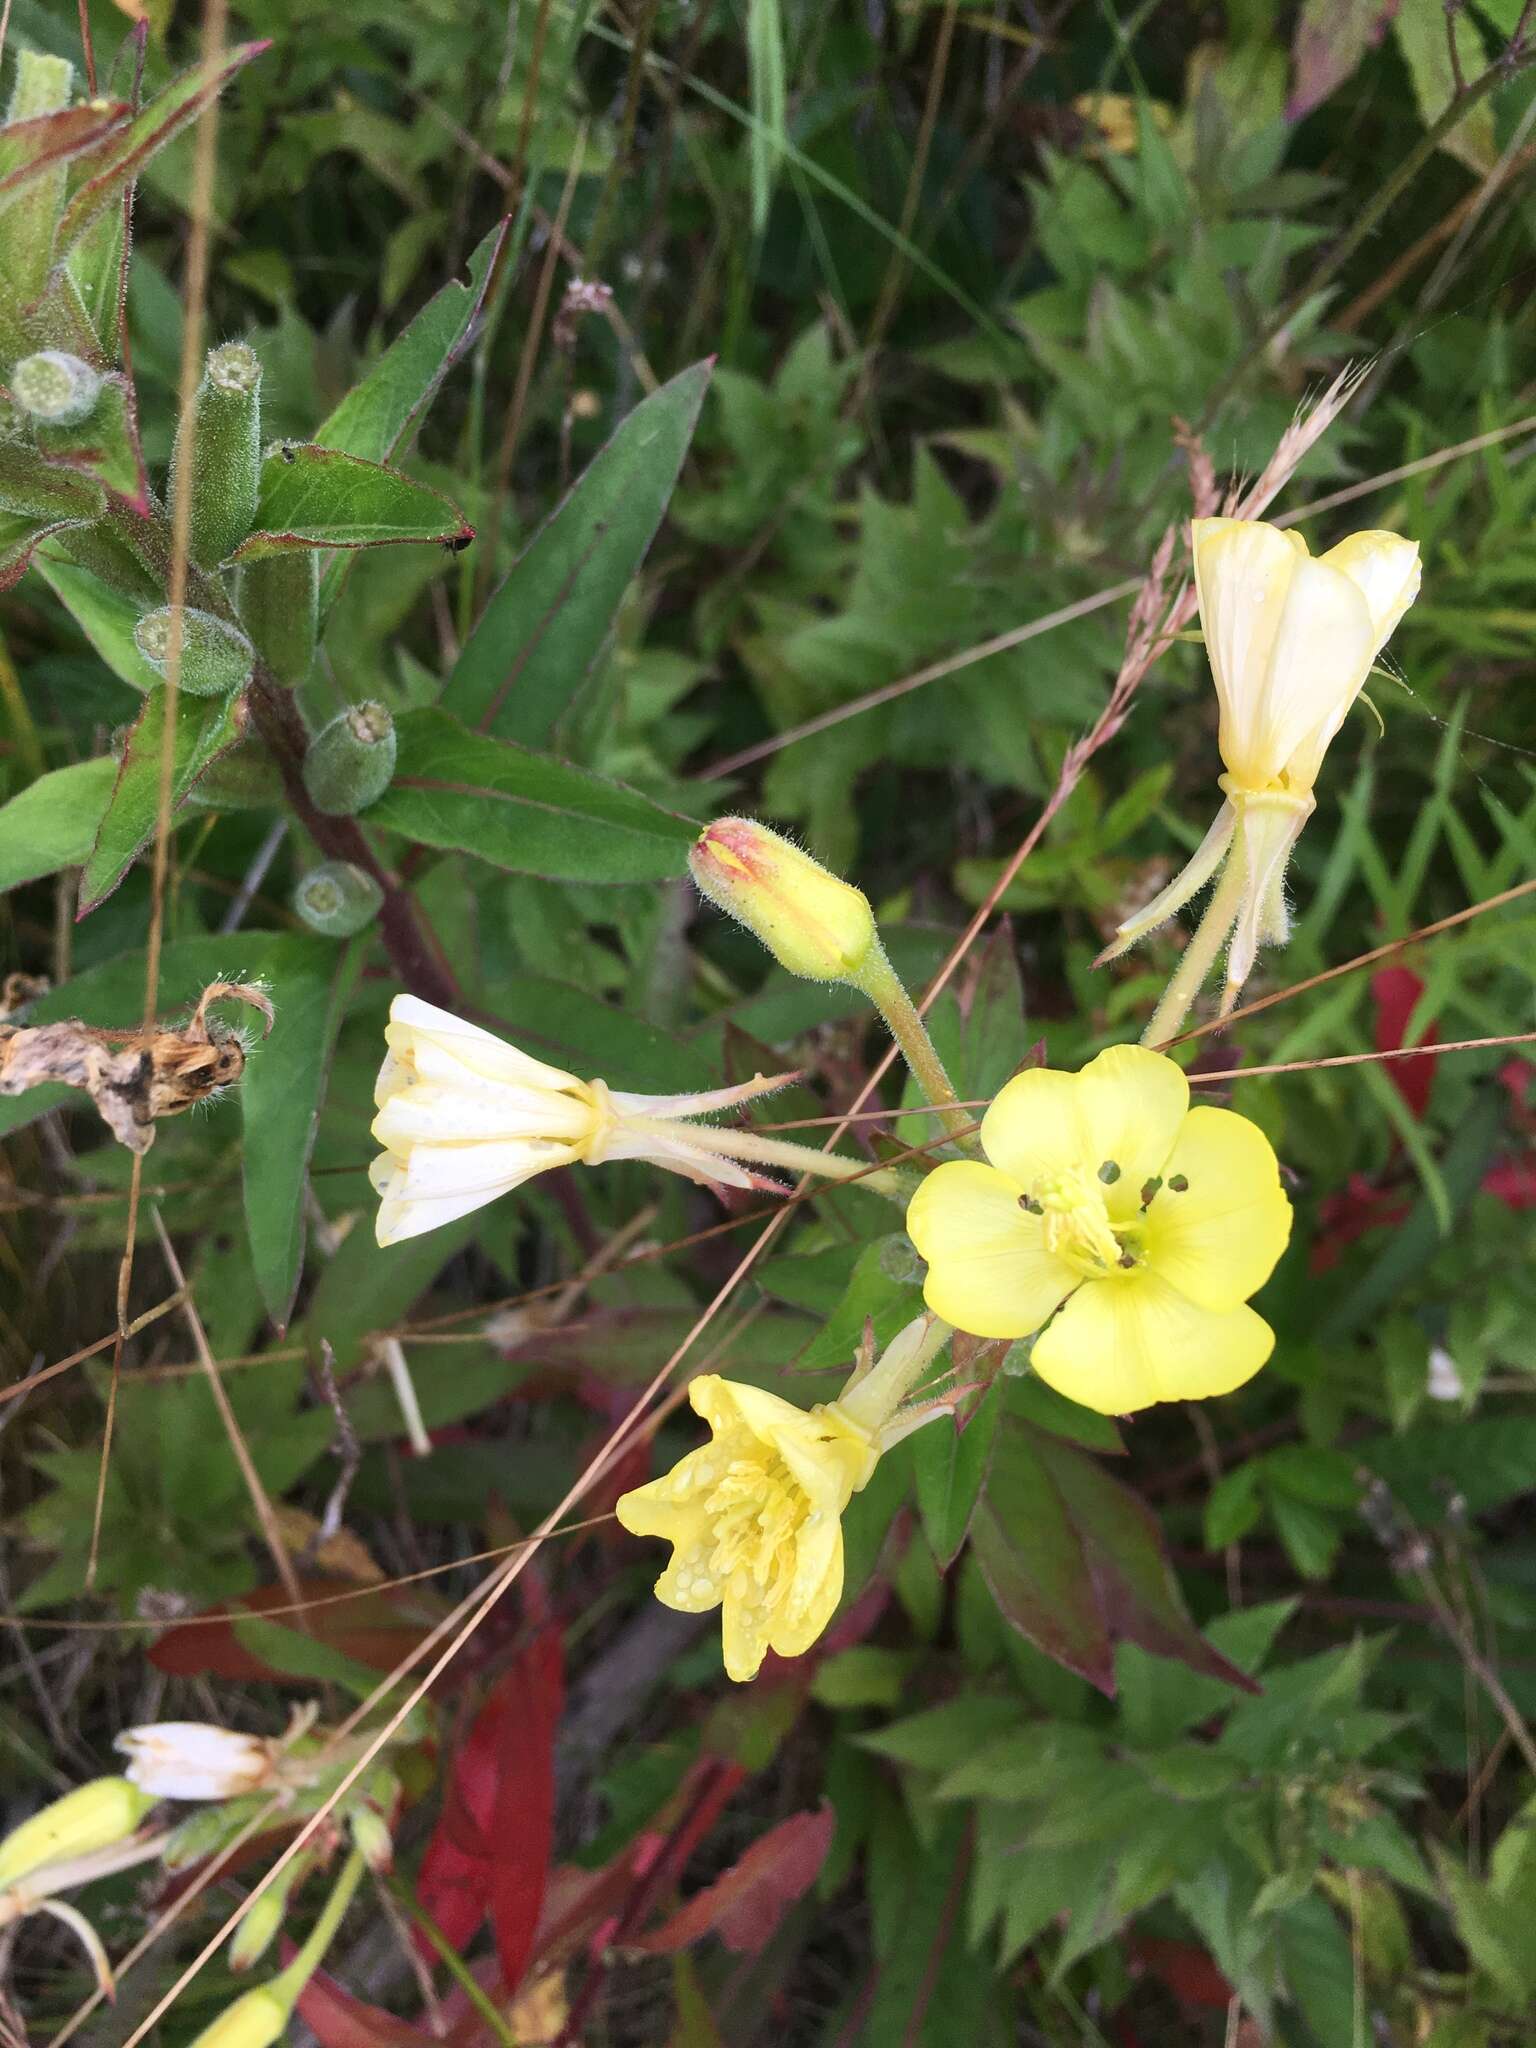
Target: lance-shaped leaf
x,y
205,728
103,446
105,616
313,497
546,625
375,418
103,175
1076,1562
53,822
19,535
523,811
745,1905
31,149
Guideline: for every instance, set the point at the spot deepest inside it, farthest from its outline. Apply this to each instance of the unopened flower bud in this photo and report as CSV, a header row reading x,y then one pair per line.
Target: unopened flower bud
x,y
349,763
254,2021
92,1817
338,899
812,923
259,1929
215,656
55,387
371,1836
195,1760
280,609
222,434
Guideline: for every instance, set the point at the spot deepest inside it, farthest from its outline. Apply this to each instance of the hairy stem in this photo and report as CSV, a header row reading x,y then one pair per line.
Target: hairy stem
x,y
883,985
1200,954
760,1151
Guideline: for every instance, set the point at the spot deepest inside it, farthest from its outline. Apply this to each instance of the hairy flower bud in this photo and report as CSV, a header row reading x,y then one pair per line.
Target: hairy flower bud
x,y
55,387
812,923
280,609
349,763
215,657
222,434
338,899
93,1816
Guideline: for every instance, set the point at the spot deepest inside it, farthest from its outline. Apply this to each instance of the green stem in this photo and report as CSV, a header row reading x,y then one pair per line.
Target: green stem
x,y
289,1983
1200,954
455,1964
873,1400
883,985
760,1151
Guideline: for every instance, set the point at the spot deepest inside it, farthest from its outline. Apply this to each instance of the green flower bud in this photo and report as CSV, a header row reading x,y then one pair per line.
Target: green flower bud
x,y
206,1831
215,657
55,386
350,763
254,2021
93,1816
258,1930
370,1834
280,609
338,899
811,923
224,430
244,779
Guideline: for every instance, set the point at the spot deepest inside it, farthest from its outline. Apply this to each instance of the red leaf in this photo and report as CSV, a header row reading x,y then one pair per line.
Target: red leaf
x,y
490,1850
1186,1969
1395,991
338,2020
376,1628
745,1906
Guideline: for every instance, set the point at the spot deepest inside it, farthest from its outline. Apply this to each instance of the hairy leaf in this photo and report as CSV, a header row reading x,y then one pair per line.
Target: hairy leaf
x,y
52,824
205,728
313,497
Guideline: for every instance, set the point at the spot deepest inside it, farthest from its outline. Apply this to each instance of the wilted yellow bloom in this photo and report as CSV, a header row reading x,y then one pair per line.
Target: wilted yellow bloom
x,y
93,1816
465,1117
1127,1227
754,1518
1291,640
196,1760
810,921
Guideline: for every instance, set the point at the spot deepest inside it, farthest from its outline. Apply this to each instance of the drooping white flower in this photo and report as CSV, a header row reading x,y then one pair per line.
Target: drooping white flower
x,y
196,1760
465,1117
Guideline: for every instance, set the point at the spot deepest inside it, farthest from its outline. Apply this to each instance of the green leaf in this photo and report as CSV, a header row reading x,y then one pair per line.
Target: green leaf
x,y
377,415
313,497
546,625
52,824
19,535
280,1096
366,1288
105,445
295,1655
523,811
113,168
1478,1462
105,616
1495,1931
883,1289
950,1466
205,728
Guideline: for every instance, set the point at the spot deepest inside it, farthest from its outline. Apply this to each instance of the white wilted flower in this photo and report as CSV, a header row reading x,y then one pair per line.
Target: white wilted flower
x,y
465,1117
1291,640
196,1760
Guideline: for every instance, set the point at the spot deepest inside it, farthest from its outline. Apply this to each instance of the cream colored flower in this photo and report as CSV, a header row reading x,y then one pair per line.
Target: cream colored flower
x,y
1291,640
755,1518
196,1760
465,1117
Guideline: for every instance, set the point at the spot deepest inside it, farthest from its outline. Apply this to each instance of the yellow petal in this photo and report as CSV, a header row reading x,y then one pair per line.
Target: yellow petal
x,y
1322,655
1133,1102
1219,1239
1034,1128
793,1629
1386,570
1243,572
442,1045
1122,1343
743,1638
988,1269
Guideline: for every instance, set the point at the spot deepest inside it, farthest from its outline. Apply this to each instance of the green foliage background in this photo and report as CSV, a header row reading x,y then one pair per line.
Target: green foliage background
x,y
960,271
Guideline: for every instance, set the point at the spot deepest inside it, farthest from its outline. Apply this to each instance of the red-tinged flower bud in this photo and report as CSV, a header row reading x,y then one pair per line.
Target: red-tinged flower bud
x,y
215,656
812,923
349,763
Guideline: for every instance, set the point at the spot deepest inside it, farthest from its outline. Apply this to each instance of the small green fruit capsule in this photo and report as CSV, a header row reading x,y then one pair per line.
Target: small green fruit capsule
x,y
223,431
92,1817
811,922
55,387
215,657
350,763
338,899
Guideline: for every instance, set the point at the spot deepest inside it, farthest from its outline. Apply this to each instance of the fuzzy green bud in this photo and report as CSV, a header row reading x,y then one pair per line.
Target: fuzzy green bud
x,y
55,387
280,609
350,762
93,1816
215,657
257,1931
42,85
254,2021
811,922
338,898
223,430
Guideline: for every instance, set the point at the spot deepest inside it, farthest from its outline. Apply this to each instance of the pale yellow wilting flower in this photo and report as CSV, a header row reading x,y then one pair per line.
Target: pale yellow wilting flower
x,y
465,1117
1291,639
196,1760
754,1517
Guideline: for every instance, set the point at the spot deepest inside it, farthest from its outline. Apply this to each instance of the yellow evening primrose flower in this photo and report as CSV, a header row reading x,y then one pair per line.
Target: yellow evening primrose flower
x,y
465,1117
1291,639
1125,1226
755,1518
